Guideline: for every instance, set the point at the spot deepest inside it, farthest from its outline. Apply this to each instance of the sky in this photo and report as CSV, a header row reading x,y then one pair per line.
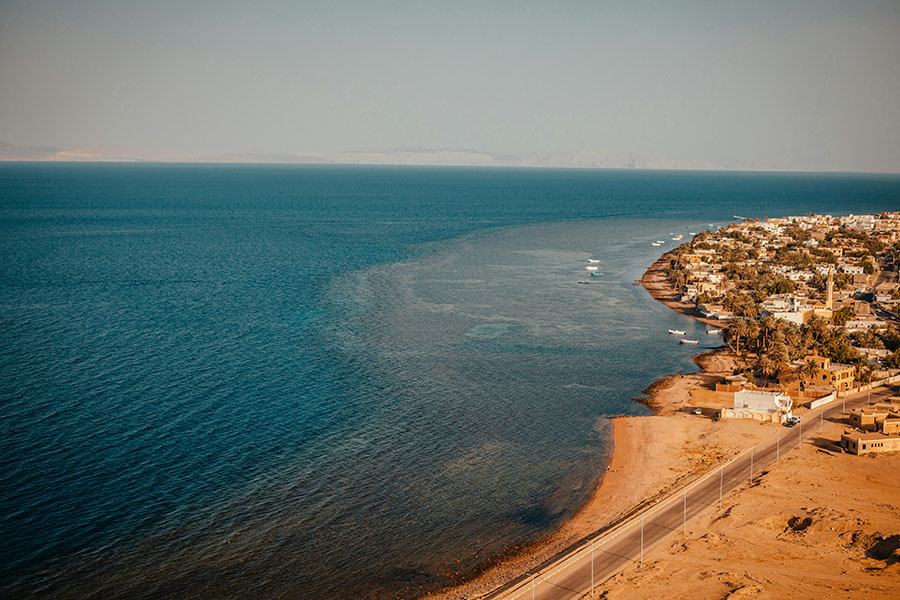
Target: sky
x,y
806,84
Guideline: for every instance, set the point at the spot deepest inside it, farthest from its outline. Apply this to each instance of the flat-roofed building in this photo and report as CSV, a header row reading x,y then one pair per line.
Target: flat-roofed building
x,y
873,418
769,407
862,442
839,376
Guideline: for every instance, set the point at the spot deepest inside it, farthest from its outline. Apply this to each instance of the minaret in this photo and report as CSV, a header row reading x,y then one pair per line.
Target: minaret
x,y
829,288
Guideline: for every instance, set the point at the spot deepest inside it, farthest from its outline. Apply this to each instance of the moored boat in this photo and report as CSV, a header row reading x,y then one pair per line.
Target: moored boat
x,y
676,332
690,341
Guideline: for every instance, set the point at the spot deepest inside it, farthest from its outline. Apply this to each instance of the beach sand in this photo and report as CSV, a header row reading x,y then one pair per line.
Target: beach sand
x,y
761,545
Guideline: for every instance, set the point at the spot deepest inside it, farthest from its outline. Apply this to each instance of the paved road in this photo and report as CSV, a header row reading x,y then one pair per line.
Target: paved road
x,y
570,577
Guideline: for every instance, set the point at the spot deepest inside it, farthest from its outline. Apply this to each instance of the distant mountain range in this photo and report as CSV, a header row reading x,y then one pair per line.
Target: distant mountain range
x,y
397,156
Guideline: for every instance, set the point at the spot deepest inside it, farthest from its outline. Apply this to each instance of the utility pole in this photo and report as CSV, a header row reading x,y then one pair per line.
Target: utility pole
x,y
821,420
642,538
778,449
592,568
800,435
532,587
751,462
721,477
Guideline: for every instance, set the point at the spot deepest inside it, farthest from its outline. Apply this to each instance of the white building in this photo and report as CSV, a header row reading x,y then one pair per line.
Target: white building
x,y
775,404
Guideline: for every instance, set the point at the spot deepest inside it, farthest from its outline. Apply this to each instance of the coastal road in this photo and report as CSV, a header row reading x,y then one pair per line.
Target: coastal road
x,y
571,575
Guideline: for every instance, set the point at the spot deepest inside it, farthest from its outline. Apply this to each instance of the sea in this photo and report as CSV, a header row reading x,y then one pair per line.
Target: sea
x,y
327,382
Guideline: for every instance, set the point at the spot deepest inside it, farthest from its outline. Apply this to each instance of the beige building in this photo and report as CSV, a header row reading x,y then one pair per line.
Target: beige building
x,y
881,417
859,442
877,429
838,376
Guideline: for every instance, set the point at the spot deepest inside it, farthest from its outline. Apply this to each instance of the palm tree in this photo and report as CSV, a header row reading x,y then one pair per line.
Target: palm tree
x,y
768,326
818,328
753,334
733,334
766,366
806,372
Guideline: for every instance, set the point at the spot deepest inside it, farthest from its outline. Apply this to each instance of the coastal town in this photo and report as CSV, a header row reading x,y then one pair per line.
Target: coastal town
x,y
809,307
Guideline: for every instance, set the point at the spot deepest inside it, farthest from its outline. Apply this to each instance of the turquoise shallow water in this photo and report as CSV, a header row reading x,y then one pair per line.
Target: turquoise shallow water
x,y
326,382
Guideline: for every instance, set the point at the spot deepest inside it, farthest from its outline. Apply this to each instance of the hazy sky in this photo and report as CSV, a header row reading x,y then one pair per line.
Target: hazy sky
x,y
810,84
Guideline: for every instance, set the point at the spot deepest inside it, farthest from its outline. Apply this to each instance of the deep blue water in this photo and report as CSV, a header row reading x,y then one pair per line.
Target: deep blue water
x,y
321,381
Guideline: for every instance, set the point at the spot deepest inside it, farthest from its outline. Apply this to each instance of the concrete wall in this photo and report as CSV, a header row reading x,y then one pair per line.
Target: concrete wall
x,y
869,386
821,401
738,413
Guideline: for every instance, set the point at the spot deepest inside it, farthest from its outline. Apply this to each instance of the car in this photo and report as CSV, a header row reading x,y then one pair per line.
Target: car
x,y
697,411
791,421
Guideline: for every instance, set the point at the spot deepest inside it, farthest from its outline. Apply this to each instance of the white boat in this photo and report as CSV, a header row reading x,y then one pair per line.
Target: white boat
x,y
593,260
660,241
655,243
676,332
689,341
712,331
592,268
677,238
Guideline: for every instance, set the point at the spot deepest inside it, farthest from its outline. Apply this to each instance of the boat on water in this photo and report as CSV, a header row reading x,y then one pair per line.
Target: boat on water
x,y
592,268
637,282
676,332
690,341
596,274
713,331
593,260
656,244
677,238
584,281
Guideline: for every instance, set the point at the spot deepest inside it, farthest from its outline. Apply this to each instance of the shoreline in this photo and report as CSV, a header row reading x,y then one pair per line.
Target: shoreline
x,y
650,456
